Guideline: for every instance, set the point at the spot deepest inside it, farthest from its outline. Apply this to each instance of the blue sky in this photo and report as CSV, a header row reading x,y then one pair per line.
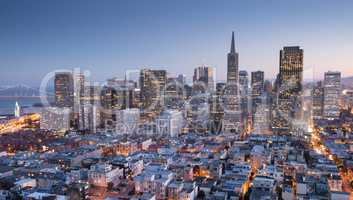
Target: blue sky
x,y
109,37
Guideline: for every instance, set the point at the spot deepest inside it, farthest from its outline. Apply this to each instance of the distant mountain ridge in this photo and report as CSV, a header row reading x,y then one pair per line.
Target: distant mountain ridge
x,y
19,91
347,81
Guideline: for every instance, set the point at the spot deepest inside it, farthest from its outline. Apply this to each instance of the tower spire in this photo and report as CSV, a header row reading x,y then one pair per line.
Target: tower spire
x,y
232,48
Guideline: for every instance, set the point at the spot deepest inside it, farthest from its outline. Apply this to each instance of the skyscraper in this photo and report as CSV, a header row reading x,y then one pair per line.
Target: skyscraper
x,y
318,100
232,121
216,109
174,93
64,89
290,81
79,92
233,63
257,89
152,84
332,94
205,75
244,93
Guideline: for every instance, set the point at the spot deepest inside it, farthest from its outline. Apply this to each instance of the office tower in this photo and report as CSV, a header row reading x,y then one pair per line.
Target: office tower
x,y
290,82
348,100
55,118
332,95
170,122
152,85
257,89
232,121
92,95
174,94
91,109
197,113
270,95
204,77
79,92
318,100
233,63
262,119
91,118
216,109
64,89
187,91
181,78
117,95
244,93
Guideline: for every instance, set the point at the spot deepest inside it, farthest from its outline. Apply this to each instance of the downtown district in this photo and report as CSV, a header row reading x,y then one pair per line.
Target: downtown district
x,y
157,137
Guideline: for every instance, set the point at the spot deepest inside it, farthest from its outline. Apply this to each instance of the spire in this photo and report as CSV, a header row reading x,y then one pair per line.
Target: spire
x,y
232,48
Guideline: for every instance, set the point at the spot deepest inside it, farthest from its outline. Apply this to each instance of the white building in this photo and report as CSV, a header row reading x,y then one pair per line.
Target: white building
x,y
102,174
17,110
55,118
170,123
154,179
261,119
127,120
91,118
332,94
205,76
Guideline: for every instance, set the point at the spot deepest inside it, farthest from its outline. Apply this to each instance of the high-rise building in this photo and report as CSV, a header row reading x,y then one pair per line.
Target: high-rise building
x,y
232,121
348,100
332,94
233,63
204,77
91,118
262,119
64,89
244,93
181,78
290,82
216,109
91,109
174,94
198,113
117,95
317,101
79,92
257,89
152,84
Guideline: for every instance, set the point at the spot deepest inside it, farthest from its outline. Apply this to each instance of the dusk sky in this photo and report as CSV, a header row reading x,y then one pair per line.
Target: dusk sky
x,y
109,37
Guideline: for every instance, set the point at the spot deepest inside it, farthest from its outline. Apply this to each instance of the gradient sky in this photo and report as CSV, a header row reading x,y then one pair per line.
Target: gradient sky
x,y
108,37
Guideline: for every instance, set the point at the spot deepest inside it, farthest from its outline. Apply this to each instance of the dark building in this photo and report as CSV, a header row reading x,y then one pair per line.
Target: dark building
x,y
174,94
290,81
64,89
257,89
318,100
216,109
204,77
152,85
233,63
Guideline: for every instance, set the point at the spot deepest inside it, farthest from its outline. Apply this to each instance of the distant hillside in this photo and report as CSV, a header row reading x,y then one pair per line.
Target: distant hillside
x,y
18,90
348,81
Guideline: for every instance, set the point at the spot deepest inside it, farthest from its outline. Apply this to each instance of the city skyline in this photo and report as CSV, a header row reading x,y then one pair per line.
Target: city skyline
x,y
38,39
150,100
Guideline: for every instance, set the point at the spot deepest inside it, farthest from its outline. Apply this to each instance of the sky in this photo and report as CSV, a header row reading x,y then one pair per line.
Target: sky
x,y
111,36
